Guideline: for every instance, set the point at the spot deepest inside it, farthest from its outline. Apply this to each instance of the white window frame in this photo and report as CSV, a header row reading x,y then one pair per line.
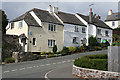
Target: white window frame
x,y
51,43
33,41
20,24
106,34
113,23
51,27
12,25
76,29
75,40
98,31
83,30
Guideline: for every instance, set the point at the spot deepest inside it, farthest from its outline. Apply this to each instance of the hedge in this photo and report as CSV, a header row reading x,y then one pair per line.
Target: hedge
x,y
93,62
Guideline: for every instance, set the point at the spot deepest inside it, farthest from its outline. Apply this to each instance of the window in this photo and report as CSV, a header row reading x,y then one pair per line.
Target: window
x,y
34,41
76,29
83,29
20,25
51,27
106,33
12,25
99,31
51,43
75,40
113,23
84,40
99,40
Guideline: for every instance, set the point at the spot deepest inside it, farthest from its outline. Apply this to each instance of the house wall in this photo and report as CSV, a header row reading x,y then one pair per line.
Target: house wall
x,y
109,23
42,35
18,31
69,33
103,36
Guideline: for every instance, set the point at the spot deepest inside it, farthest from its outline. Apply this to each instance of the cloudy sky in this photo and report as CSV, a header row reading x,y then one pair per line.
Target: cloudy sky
x,y
15,9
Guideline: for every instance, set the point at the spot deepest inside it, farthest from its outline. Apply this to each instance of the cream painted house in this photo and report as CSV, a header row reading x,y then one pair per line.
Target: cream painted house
x,y
41,28
113,19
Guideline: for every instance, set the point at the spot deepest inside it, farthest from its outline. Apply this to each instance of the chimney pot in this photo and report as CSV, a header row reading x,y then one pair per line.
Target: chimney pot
x,y
90,9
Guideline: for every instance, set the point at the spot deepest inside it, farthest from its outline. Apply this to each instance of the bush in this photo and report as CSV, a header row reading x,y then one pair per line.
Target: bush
x,y
116,44
54,49
9,60
98,48
93,41
43,53
93,62
65,51
49,56
78,49
72,49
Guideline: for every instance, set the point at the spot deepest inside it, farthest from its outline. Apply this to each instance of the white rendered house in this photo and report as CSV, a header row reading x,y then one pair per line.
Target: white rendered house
x,y
113,19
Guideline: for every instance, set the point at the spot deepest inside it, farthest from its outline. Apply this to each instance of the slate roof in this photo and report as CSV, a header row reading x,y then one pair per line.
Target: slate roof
x,y
96,22
113,17
69,18
43,15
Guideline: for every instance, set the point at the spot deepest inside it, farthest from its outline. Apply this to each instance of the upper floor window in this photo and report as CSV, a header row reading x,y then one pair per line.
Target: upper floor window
x,y
52,27
99,31
20,24
76,29
106,33
113,23
75,40
83,30
51,43
34,41
12,25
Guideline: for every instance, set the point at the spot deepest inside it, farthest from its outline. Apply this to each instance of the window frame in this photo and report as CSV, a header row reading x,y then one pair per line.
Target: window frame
x,y
52,27
20,24
83,30
51,43
99,30
76,29
107,33
113,23
34,41
12,25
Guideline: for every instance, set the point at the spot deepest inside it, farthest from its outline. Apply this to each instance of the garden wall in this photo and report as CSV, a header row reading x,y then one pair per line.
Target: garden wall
x,y
92,73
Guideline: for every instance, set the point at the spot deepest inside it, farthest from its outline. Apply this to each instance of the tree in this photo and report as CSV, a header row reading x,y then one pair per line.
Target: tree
x,y
93,41
4,21
55,49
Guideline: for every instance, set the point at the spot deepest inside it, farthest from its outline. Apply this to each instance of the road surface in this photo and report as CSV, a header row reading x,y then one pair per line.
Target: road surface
x,y
51,68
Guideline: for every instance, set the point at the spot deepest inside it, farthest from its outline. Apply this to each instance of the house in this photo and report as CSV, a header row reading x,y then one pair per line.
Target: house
x,y
113,19
40,30
96,27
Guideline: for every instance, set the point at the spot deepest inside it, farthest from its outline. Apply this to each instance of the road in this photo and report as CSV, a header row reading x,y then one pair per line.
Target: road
x,y
58,67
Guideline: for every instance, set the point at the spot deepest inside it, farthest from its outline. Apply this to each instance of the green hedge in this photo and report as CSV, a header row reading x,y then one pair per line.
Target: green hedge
x,y
93,62
9,60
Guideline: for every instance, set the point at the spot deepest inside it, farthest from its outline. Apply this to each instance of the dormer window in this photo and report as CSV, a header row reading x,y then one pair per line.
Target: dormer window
x,y
12,25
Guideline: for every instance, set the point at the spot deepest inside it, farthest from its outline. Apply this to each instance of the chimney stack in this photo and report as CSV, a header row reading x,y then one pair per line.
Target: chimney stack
x,y
50,9
98,17
90,15
55,9
110,12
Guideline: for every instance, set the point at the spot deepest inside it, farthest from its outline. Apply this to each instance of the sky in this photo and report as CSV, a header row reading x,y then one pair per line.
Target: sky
x,y
15,9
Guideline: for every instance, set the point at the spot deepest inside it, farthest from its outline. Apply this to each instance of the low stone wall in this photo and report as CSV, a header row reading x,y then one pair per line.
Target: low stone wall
x,y
92,73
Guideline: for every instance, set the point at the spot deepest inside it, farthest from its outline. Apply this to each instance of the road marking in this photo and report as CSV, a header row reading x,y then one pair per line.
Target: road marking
x,y
29,67
46,75
54,63
42,65
73,60
47,64
14,70
22,69
6,71
58,62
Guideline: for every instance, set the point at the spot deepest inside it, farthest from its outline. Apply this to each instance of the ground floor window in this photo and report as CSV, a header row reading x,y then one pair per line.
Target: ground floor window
x,y
51,43
34,41
99,40
75,40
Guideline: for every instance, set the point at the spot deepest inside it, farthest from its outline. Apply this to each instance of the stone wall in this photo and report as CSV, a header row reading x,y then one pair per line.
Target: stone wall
x,y
97,74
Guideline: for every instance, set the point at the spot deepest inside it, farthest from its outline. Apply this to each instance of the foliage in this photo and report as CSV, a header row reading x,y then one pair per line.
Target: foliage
x,y
43,53
55,49
93,41
65,51
49,56
4,21
93,62
9,60
71,49
98,48
116,44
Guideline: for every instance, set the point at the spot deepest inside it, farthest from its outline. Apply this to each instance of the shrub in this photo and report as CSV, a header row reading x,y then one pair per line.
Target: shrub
x,y
43,53
65,51
93,41
72,49
92,61
54,49
98,48
9,60
78,49
49,56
